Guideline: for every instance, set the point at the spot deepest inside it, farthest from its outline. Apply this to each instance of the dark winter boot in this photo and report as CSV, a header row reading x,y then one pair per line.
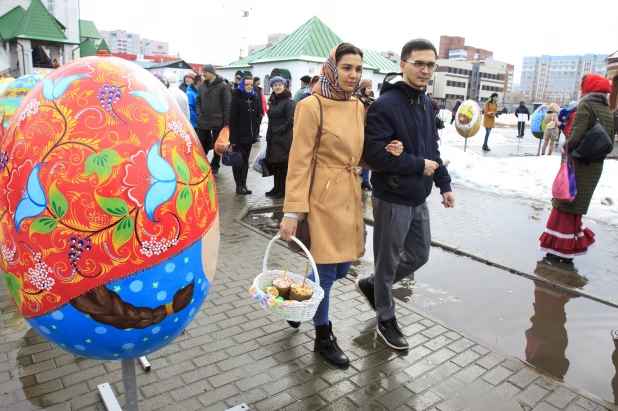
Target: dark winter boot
x,y
240,189
283,174
326,344
294,324
244,170
275,190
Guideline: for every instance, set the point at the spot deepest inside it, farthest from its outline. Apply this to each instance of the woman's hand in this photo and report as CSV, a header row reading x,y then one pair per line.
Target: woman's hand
x,y
287,229
395,147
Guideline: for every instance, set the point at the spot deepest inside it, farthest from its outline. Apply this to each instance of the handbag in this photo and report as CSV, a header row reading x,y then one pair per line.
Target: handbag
x,y
302,226
439,123
564,188
232,158
551,124
596,144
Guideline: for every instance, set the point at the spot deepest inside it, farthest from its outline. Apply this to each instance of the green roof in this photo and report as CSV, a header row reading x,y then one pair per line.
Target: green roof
x,y
172,64
10,20
104,46
87,49
88,30
312,41
39,24
378,62
246,61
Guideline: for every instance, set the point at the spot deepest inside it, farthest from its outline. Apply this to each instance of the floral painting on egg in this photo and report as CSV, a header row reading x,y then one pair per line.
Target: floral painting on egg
x,y
109,227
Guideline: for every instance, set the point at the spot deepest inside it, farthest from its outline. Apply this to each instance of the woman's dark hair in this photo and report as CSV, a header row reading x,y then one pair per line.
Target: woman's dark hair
x,y
346,48
286,93
416,45
494,95
247,78
256,79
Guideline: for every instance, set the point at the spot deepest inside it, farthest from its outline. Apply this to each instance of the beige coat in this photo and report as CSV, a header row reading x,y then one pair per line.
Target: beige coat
x,y
489,121
335,213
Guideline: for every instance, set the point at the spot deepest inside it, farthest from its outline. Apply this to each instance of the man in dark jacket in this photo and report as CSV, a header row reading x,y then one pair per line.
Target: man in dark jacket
x,y
213,110
400,189
521,125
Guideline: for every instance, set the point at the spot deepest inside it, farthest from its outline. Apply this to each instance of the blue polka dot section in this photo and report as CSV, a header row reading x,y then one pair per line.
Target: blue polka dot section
x,y
89,338
136,286
57,315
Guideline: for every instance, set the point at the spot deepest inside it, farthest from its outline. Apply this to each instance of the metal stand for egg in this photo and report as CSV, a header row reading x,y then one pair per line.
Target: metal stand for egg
x,y
129,382
538,153
465,144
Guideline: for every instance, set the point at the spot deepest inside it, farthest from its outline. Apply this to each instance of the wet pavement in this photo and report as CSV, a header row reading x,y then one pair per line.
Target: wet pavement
x,y
235,352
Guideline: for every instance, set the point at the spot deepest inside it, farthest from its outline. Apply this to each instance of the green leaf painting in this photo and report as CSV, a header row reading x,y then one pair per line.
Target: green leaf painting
x,y
184,201
101,164
43,225
123,232
13,285
181,167
57,201
113,206
200,161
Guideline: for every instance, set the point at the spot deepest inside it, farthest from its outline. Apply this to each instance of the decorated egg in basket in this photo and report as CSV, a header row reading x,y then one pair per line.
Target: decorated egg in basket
x,y
468,119
108,218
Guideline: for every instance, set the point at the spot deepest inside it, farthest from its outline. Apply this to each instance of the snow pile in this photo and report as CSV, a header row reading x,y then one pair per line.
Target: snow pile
x,y
528,177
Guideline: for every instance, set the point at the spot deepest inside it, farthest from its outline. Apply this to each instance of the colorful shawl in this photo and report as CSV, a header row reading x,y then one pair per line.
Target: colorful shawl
x,y
328,86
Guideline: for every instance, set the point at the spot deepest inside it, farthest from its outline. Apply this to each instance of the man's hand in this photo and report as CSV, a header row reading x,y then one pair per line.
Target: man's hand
x,y
287,230
430,167
448,199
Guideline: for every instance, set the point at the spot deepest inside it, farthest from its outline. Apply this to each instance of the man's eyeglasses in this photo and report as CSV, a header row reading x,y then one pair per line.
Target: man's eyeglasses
x,y
420,65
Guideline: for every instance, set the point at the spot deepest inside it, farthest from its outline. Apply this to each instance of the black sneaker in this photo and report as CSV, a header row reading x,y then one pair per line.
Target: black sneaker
x,y
366,290
392,335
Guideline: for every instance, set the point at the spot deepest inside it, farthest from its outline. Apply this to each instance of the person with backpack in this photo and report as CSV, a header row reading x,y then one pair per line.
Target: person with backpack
x,y
552,127
566,236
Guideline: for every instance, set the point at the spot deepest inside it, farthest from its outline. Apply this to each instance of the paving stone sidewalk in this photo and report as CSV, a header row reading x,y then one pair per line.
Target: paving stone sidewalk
x,y
234,352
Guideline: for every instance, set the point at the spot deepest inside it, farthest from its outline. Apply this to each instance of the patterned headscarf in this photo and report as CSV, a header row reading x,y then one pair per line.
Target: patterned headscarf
x,y
328,86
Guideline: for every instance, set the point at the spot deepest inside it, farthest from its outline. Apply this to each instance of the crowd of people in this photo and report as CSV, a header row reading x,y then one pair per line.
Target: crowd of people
x,y
323,140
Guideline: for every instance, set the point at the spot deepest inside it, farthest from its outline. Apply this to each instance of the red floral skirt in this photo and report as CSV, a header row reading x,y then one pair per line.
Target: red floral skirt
x,y
566,236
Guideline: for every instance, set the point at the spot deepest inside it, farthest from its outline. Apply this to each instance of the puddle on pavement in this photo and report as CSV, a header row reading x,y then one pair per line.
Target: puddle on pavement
x,y
565,335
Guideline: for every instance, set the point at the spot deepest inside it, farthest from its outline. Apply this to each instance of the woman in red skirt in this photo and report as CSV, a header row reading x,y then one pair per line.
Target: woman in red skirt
x,y
566,236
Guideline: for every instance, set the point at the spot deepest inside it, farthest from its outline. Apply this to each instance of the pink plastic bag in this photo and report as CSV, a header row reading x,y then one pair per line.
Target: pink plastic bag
x,y
564,188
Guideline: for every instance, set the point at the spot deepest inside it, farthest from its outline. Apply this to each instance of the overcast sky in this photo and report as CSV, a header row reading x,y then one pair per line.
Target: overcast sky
x,y
213,31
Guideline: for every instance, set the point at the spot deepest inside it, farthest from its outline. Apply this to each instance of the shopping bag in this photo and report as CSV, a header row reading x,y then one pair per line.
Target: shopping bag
x,y
222,141
259,160
564,188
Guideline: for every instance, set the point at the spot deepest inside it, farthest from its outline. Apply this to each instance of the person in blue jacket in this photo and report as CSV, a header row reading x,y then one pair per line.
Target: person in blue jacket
x,y
192,90
401,186
565,116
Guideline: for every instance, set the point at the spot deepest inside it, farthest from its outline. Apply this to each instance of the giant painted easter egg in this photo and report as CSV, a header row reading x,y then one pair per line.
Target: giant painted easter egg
x,y
468,119
537,121
109,227
13,95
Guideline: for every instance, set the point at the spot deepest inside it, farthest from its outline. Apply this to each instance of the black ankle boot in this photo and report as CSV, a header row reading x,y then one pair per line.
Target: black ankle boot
x,y
294,324
240,189
326,344
247,191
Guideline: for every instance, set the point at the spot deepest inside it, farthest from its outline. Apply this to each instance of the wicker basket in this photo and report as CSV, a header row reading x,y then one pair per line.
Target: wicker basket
x,y
291,311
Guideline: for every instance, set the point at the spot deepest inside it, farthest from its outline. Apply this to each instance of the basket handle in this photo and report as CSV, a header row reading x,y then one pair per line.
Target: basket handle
x,y
302,246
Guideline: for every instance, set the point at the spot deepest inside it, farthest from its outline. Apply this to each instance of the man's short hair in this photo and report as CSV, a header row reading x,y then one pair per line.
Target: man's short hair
x,y
416,45
305,79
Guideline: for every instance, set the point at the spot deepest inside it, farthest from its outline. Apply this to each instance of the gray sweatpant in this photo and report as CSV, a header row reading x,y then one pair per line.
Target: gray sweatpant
x,y
395,227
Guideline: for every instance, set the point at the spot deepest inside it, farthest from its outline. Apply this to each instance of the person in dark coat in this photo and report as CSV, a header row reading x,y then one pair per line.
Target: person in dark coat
x,y
566,236
454,110
521,125
279,134
245,111
212,106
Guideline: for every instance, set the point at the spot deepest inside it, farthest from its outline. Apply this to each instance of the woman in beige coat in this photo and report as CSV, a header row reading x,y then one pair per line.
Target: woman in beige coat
x,y
332,206
490,109
551,134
